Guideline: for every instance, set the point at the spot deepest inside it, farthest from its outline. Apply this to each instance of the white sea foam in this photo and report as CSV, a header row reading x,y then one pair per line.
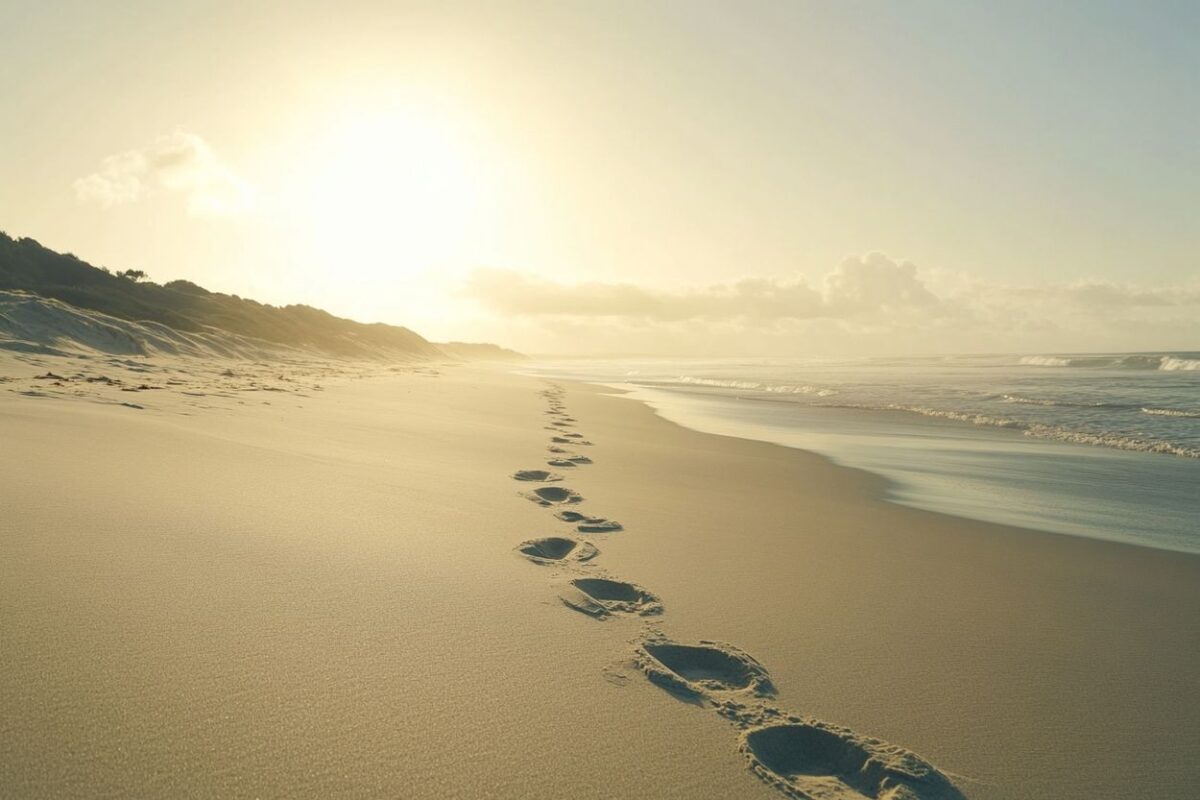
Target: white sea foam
x,y
1172,363
819,391
1045,361
1029,401
720,384
1126,361
1111,440
1172,412
1041,431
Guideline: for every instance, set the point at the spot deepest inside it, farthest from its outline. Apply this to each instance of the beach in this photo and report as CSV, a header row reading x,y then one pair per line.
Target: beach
x,y
285,592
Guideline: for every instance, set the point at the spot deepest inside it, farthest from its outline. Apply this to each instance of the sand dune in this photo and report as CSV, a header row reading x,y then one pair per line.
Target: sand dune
x,y
33,324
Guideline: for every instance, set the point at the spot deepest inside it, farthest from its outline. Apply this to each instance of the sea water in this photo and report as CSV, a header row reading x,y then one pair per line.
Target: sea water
x,y
1106,446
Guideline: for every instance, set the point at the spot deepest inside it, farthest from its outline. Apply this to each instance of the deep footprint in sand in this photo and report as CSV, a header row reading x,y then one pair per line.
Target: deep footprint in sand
x,y
585,524
569,461
601,598
702,669
557,550
536,475
569,440
811,759
553,496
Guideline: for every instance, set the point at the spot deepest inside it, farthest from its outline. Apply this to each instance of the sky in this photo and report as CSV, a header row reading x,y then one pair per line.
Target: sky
x,y
692,178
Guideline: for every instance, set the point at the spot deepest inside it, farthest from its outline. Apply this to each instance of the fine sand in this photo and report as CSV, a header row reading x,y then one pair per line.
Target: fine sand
x,y
322,580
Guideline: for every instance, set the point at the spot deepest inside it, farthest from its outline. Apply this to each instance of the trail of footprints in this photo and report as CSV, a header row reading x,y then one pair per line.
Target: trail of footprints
x,y
799,756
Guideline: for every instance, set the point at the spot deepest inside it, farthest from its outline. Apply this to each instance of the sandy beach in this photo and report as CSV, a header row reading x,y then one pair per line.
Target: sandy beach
x,y
326,598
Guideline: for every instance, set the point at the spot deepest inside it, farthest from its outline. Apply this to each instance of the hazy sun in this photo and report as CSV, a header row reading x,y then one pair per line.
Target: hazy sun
x,y
398,191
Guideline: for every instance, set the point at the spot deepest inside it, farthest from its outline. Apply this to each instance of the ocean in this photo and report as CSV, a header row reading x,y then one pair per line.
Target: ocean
x,y
1098,445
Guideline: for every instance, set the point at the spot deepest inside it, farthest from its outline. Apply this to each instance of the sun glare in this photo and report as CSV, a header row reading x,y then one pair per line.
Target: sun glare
x,y
397,191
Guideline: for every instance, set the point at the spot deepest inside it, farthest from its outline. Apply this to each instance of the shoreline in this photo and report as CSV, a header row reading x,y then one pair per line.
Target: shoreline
x,y
885,487
308,581
962,467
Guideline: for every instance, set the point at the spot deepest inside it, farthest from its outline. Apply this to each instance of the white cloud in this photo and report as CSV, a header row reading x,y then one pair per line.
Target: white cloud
x,y
517,293
871,303
872,283
875,282
181,163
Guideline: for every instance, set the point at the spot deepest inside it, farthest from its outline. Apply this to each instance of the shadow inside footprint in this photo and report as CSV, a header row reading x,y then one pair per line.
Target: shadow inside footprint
x,y
556,549
568,439
817,760
600,597
538,475
585,524
599,526
553,495
702,668
567,461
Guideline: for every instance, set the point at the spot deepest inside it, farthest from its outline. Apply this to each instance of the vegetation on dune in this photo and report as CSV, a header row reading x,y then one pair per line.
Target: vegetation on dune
x,y
28,266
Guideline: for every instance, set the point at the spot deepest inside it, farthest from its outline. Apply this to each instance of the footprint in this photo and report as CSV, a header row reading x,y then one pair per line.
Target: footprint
x,y
599,526
601,597
557,550
702,669
585,524
573,435
568,461
811,759
539,475
569,439
553,496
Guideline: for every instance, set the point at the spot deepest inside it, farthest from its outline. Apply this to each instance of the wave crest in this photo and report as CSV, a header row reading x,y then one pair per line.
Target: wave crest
x,y
818,391
1164,362
1172,412
1042,431
1175,364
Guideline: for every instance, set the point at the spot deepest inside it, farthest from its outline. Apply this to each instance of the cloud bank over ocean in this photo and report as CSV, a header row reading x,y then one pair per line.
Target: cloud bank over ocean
x,y
869,302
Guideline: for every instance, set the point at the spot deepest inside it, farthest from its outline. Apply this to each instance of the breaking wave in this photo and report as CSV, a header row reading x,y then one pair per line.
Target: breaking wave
x,y
1035,401
1042,431
1173,364
817,391
1044,361
1167,362
1172,412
